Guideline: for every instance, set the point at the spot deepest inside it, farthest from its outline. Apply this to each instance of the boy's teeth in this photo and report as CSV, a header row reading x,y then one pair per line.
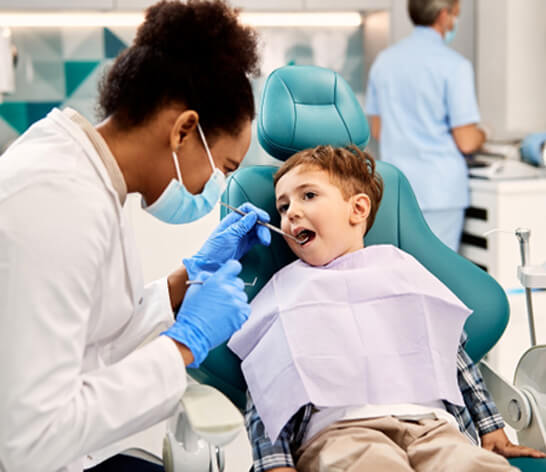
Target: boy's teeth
x,y
304,236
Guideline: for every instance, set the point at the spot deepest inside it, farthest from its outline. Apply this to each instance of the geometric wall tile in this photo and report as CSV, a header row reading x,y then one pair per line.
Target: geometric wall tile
x,y
52,39
39,43
7,135
15,114
83,54
52,74
36,111
113,44
76,72
38,81
86,107
88,89
82,44
126,34
300,54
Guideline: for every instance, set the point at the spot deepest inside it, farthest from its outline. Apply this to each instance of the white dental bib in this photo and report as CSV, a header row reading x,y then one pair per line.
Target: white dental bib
x,y
371,327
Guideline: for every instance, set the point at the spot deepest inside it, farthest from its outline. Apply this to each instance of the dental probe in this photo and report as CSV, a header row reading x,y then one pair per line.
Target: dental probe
x,y
200,282
263,223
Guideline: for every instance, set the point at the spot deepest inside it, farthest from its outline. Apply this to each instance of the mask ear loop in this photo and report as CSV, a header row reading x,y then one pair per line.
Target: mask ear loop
x,y
177,166
206,146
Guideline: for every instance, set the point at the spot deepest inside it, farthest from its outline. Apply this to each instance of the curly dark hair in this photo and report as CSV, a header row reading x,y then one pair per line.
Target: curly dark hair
x,y
194,53
350,169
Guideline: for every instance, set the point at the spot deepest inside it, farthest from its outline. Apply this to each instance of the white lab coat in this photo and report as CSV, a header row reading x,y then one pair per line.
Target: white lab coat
x,y
73,309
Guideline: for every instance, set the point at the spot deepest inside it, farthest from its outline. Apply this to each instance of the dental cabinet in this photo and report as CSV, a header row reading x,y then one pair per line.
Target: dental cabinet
x,y
504,205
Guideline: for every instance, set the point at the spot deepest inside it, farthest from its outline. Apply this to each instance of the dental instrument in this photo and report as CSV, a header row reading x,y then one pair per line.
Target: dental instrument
x,y
200,282
267,225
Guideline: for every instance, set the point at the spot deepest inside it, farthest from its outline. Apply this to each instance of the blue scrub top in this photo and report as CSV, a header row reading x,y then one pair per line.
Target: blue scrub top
x,y
421,89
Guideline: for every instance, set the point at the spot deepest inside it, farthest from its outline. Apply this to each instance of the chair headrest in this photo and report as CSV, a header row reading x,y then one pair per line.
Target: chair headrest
x,y
305,106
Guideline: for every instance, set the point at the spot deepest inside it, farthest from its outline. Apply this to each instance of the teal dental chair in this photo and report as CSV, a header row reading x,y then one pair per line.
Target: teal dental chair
x,y
304,106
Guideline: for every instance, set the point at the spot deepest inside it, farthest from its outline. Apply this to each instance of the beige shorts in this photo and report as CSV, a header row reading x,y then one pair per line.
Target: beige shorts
x,y
395,445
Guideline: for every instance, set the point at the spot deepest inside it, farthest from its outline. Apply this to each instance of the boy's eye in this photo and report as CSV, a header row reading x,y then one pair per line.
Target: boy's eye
x,y
282,208
309,195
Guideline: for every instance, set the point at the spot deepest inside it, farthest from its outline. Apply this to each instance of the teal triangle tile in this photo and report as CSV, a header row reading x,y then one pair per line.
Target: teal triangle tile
x,y
88,89
15,114
113,45
125,33
76,72
36,111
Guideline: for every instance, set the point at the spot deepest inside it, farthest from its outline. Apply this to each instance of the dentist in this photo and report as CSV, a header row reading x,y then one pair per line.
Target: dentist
x,y
73,307
423,111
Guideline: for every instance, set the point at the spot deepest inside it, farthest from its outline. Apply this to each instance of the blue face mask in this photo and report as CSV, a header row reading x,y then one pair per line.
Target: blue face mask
x,y
176,205
450,35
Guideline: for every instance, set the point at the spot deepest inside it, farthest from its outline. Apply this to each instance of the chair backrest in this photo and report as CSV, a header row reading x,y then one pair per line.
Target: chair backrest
x,y
399,220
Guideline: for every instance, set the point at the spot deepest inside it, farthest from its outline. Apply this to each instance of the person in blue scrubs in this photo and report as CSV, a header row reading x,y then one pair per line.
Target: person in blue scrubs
x,y
422,107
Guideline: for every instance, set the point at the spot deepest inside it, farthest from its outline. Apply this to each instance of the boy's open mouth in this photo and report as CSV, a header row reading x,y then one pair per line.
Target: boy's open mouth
x,y
305,236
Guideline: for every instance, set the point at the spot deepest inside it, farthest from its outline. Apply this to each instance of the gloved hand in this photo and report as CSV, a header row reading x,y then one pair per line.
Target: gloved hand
x,y
231,239
212,312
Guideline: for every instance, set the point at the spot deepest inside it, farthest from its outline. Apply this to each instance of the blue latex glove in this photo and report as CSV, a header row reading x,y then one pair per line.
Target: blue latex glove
x,y
231,239
212,312
531,148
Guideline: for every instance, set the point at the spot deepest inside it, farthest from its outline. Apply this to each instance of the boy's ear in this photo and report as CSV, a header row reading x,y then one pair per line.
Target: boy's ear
x,y
361,206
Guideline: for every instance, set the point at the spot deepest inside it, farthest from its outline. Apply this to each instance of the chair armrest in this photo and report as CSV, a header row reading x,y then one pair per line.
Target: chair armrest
x,y
512,403
196,434
211,415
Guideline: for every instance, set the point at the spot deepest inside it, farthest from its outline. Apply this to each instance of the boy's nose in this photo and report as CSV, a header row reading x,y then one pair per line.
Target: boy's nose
x,y
294,211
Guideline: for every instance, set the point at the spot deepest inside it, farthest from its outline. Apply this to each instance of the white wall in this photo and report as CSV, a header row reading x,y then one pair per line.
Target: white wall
x,y
526,85
511,56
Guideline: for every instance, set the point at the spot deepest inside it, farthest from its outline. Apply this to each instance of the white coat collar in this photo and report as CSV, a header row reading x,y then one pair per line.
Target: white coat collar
x,y
132,268
106,156
83,141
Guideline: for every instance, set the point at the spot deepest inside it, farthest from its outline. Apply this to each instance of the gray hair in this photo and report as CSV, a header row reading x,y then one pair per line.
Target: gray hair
x,y
425,12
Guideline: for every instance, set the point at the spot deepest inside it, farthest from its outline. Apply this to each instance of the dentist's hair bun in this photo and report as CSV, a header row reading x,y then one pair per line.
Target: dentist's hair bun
x,y
194,54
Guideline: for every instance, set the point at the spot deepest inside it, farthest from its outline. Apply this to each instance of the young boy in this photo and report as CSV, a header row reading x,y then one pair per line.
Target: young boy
x,y
352,354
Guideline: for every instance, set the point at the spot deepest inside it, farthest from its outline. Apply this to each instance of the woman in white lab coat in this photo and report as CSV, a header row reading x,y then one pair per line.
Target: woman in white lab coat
x,y
73,308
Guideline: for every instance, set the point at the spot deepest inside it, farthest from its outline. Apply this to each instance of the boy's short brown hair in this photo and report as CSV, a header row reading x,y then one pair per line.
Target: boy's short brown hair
x,y
350,169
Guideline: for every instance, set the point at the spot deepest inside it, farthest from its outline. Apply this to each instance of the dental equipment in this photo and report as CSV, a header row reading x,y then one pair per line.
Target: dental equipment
x,y
523,235
267,225
521,402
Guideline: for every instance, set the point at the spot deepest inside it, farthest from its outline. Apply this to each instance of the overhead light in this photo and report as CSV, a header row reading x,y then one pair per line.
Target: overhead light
x,y
302,19
113,19
68,19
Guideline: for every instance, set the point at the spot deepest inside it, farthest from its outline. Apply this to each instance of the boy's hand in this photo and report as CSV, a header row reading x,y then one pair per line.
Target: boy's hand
x,y
498,442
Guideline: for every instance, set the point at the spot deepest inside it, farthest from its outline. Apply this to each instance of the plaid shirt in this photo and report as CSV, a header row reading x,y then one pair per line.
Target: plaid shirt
x,y
478,417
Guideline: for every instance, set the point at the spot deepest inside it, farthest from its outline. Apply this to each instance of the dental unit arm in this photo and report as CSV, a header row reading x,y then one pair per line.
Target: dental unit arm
x,y
521,402
196,434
